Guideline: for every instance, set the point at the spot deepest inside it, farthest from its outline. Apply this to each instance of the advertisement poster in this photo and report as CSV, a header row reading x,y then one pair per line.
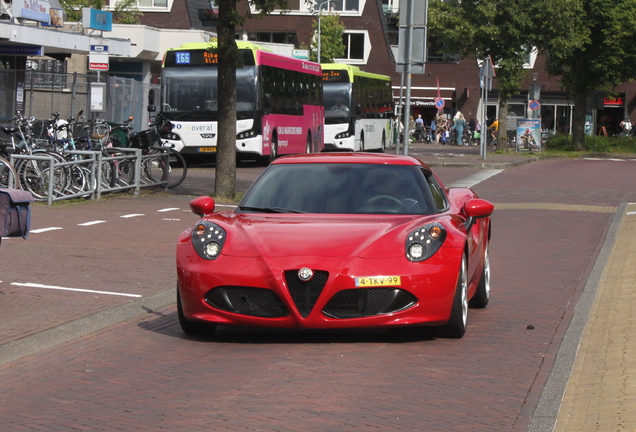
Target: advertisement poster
x,y
529,135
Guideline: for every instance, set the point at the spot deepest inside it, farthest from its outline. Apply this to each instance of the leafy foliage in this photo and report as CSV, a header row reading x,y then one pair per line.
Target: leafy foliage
x,y
601,53
481,28
124,12
331,44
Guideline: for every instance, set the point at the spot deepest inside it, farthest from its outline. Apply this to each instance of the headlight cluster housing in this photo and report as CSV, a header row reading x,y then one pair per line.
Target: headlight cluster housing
x,y
422,243
247,134
342,135
171,136
208,239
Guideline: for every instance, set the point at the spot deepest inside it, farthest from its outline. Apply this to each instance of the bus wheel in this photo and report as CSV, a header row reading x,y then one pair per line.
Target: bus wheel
x,y
273,152
383,146
362,142
308,150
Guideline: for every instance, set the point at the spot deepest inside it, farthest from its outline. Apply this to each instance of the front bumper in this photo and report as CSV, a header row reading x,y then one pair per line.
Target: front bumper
x,y
268,293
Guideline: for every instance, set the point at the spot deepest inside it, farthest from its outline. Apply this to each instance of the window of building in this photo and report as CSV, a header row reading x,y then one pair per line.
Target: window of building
x,y
272,37
357,47
144,5
339,5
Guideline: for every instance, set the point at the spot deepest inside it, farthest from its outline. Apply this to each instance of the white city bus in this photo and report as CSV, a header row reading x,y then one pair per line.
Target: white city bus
x,y
278,101
358,108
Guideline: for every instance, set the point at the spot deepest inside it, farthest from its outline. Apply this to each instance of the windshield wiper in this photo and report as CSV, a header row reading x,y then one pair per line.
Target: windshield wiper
x,y
270,209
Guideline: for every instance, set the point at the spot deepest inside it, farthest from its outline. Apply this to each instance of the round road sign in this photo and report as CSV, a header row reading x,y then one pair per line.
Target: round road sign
x,y
439,103
533,105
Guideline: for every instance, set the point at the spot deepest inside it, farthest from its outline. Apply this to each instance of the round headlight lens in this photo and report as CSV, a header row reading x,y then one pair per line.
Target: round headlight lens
x,y
435,232
416,251
212,249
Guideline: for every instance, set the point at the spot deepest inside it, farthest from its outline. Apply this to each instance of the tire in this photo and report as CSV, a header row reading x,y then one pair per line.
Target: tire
x,y
273,152
154,169
192,328
178,169
456,325
362,142
482,295
383,144
8,176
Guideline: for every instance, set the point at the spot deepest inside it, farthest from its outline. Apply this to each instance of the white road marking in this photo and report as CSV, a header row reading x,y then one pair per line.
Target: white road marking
x,y
41,230
170,219
476,178
132,215
92,223
631,213
168,209
34,285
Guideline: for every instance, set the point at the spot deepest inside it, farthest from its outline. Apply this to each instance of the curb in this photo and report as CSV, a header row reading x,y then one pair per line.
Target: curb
x,y
63,333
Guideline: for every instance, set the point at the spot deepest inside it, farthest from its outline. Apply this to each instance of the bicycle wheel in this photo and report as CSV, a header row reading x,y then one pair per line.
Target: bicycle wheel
x,y
8,176
154,169
124,169
177,170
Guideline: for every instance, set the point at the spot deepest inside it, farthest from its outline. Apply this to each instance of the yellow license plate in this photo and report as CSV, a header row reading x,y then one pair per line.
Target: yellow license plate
x,y
207,149
378,281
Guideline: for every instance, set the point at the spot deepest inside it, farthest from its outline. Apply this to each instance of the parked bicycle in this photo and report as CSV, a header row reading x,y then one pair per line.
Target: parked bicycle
x,y
150,142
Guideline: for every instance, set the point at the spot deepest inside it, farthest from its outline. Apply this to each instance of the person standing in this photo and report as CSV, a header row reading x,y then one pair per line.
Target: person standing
x,y
459,126
419,128
433,130
441,128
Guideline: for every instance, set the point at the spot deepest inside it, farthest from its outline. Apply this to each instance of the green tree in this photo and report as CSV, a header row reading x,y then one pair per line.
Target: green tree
x,y
125,11
596,51
479,28
331,43
229,18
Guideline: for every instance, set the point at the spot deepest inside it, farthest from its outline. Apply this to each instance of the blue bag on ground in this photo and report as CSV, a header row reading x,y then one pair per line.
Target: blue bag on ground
x,y
15,213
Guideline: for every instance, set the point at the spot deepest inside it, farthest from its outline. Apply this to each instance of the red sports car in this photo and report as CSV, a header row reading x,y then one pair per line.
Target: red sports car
x,y
337,240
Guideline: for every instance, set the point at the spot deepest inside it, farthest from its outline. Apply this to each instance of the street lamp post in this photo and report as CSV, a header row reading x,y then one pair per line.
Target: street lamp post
x,y
319,25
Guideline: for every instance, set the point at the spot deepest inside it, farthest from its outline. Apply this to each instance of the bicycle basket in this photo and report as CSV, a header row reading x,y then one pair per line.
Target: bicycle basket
x,y
145,139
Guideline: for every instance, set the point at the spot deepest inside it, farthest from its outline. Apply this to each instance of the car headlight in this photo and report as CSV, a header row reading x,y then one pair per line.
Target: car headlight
x,y
422,243
208,239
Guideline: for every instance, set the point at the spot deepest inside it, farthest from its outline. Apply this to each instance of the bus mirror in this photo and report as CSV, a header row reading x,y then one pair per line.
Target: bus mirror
x,y
151,101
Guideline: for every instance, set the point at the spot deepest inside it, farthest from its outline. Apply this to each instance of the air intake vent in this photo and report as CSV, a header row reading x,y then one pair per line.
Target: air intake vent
x,y
258,302
305,294
358,303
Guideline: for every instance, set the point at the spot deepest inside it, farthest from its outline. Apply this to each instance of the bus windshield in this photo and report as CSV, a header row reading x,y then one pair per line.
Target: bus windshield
x,y
337,102
191,94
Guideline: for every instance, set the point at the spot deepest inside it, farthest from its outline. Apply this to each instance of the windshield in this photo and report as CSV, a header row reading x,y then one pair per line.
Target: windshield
x,y
339,189
337,102
190,94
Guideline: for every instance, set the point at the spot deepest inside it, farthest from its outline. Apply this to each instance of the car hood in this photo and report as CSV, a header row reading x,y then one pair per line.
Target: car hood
x,y
280,235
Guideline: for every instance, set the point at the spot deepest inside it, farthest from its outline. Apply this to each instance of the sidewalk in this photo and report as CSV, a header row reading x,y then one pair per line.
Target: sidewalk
x,y
592,385
465,157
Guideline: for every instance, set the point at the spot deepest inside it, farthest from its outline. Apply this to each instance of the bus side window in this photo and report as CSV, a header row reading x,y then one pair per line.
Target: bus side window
x,y
267,103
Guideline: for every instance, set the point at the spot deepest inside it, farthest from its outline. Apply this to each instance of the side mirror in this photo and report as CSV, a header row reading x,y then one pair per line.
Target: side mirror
x,y
151,101
202,206
478,208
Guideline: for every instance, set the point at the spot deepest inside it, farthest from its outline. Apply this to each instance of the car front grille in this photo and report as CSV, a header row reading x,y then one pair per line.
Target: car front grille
x,y
358,303
305,294
258,302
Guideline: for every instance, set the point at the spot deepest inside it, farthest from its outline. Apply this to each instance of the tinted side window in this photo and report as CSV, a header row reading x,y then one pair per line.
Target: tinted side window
x,y
436,191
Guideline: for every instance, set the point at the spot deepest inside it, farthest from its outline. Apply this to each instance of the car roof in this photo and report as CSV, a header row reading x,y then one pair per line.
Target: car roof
x,y
350,157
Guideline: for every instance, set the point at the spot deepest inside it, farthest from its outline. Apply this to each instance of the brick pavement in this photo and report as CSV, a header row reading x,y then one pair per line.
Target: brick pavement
x,y
334,391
